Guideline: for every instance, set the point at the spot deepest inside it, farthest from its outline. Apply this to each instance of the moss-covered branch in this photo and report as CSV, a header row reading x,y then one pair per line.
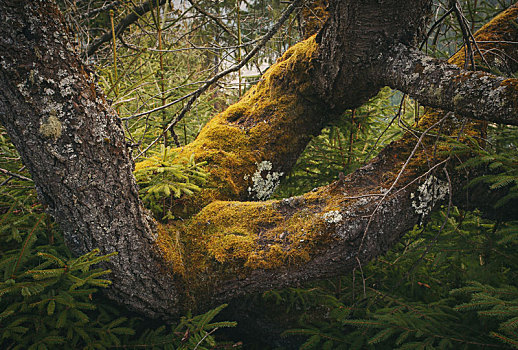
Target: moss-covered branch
x,y
233,248
73,145
439,84
251,144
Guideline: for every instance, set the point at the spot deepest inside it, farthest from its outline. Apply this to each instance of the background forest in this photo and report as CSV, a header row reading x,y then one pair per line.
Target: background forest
x,y
450,283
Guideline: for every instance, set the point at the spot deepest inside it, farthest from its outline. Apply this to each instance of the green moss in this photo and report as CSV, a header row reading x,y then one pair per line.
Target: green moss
x,y
272,122
170,247
231,246
232,239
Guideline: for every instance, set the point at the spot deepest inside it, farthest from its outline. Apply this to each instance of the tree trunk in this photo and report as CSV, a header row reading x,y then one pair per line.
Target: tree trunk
x,y
74,147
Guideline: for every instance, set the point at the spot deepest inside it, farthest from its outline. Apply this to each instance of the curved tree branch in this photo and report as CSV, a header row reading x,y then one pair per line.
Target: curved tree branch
x,y
136,13
249,247
438,84
73,146
195,94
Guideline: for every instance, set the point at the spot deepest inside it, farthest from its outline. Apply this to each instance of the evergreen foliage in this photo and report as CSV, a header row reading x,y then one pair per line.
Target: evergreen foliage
x,y
50,300
452,290
449,285
498,162
163,179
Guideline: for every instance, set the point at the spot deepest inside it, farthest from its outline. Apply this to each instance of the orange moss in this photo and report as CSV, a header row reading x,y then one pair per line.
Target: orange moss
x,y
228,240
168,243
232,239
272,122
502,27
231,246
314,14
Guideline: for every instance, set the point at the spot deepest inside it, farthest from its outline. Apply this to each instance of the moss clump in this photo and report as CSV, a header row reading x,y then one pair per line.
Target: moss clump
x,y
229,231
231,246
315,14
51,127
232,239
272,122
170,247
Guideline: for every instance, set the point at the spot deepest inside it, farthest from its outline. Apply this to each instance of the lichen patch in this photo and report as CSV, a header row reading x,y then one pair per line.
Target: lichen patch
x,y
263,186
428,194
51,127
332,217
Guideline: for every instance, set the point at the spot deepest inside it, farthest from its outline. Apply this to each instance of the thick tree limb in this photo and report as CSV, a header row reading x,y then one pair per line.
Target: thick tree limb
x,y
438,84
195,94
324,233
305,90
356,32
73,145
496,41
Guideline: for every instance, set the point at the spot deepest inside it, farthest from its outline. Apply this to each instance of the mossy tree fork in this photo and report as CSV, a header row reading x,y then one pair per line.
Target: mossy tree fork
x,y
73,144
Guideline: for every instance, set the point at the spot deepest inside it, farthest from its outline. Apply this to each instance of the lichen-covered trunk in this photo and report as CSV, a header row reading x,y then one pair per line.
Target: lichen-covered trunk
x,y
73,145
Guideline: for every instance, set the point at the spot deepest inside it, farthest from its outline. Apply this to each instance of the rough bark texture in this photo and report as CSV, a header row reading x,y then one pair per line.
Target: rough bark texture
x,y
74,147
356,33
436,83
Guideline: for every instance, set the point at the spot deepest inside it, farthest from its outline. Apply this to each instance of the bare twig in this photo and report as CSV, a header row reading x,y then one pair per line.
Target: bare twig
x,y
470,58
106,7
134,16
194,95
204,337
14,175
215,18
394,183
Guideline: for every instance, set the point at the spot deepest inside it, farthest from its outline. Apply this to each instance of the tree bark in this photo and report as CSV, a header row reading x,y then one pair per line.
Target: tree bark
x,y
438,84
73,145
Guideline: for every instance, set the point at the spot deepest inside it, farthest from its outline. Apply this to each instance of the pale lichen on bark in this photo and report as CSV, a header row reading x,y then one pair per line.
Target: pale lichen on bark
x,y
222,249
264,181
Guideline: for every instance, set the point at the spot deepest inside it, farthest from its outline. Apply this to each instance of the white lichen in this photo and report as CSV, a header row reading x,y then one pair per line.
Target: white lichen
x,y
65,86
332,217
264,181
23,89
428,194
